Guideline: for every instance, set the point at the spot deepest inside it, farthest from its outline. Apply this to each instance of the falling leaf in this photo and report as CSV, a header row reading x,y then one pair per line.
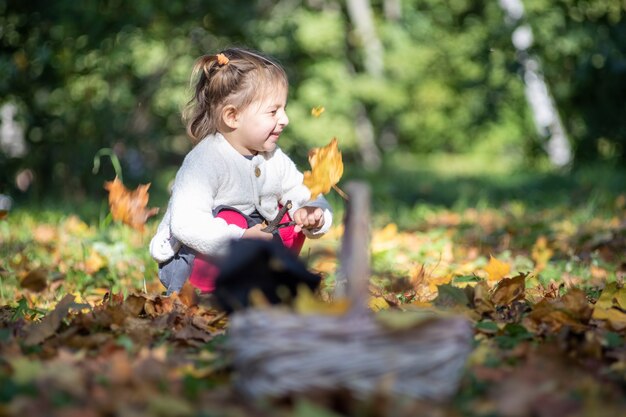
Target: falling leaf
x,y
129,207
496,270
35,281
509,290
326,169
317,111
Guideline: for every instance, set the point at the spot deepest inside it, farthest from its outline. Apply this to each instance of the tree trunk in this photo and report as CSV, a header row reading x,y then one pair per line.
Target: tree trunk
x,y
392,10
361,16
541,102
366,139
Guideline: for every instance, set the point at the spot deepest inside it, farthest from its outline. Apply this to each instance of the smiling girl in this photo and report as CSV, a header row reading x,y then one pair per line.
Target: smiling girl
x,y
236,177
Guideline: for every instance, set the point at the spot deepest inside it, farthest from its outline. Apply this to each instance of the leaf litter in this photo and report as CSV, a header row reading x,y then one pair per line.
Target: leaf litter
x,y
85,329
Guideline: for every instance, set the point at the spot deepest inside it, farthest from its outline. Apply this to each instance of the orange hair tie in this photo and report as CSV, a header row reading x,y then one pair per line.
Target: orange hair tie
x,y
222,59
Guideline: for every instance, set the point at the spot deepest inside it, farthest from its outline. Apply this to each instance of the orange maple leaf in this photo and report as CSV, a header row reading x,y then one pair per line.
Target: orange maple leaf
x,y
326,169
129,207
496,269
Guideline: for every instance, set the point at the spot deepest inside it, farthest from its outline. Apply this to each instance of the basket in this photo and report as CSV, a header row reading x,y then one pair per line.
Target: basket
x,y
277,353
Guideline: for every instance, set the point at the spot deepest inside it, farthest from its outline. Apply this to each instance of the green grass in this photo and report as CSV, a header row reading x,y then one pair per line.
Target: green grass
x,y
452,213
408,187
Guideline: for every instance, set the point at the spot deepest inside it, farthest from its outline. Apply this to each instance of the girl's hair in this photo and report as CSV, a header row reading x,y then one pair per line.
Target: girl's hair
x,y
235,77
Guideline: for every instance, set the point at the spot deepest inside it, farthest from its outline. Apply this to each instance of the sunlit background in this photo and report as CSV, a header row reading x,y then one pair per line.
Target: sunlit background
x,y
461,86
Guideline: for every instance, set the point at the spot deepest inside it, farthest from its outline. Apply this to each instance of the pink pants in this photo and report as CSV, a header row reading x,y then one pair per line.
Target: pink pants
x,y
204,272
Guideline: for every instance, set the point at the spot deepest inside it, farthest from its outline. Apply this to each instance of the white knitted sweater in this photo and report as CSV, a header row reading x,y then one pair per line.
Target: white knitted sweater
x,y
214,174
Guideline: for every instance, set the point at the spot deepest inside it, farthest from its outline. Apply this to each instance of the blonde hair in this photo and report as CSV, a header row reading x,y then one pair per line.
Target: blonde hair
x,y
234,77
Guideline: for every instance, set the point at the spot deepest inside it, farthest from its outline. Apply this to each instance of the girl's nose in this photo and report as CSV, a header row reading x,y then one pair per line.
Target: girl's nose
x,y
284,119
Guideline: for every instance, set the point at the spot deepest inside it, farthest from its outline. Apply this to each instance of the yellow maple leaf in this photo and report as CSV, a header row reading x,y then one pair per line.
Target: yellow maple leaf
x,y
609,305
317,111
129,207
326,169
496,270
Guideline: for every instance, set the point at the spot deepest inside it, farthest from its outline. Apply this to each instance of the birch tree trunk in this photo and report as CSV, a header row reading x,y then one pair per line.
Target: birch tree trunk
x,y
392,9
541,102
361,16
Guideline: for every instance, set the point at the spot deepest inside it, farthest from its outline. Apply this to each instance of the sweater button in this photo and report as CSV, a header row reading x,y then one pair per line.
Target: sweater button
x,y
257,171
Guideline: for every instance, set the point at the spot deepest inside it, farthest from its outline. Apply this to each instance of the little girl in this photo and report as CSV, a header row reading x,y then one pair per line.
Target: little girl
x,y
236,177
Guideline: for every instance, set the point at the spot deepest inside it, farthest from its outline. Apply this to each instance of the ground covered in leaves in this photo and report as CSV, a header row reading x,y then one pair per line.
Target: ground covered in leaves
x,y
84,329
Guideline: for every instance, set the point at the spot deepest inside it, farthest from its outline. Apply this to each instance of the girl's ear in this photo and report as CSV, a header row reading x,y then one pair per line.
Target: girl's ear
x,y
230,116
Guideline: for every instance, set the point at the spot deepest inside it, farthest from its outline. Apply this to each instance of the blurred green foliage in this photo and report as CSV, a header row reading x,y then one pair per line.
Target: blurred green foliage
x,y
110,73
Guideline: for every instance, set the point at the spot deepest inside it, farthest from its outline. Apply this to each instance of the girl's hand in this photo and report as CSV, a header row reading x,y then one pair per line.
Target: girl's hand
x,y
255,233
308,218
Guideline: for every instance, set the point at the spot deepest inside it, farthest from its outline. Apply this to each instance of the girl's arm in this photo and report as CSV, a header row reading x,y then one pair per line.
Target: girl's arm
x,y
192,221
163,245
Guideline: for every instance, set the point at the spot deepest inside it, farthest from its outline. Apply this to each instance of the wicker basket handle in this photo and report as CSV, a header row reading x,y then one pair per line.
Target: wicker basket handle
x,y
354,272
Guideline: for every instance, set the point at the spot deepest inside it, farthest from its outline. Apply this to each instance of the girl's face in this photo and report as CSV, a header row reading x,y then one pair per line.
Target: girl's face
x,y
261,123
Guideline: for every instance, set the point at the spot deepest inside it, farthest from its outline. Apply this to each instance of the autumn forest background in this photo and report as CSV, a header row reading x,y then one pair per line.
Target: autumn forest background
x,y
491,134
